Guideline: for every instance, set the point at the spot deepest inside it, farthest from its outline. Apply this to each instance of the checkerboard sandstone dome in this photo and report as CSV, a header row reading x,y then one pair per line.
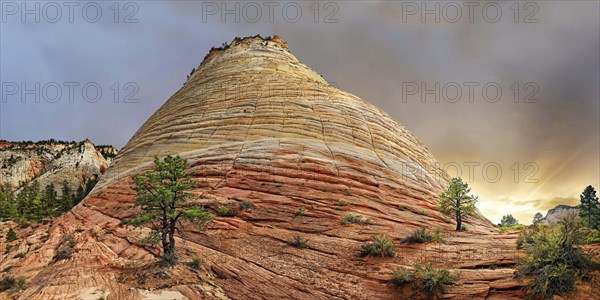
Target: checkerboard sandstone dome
x,y
252,117
256,125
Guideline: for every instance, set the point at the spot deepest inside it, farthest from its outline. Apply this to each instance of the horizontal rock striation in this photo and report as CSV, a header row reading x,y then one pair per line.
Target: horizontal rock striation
x,y
256,125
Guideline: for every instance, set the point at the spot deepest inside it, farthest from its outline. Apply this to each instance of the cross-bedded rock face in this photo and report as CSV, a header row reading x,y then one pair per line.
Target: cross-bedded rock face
x,y
255,125
253,117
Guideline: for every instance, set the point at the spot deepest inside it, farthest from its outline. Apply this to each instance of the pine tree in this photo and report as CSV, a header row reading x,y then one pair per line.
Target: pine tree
x,y
162,198
537,218
508,221
11,235
89,184
456,202
589,209
34,201
80,194
29,202
66,199
8,208
21,203
49,199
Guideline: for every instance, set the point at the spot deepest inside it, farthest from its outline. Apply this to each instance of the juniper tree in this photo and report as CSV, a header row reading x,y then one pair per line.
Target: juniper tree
x,y
509,220
589,209
11,235
537,218
79,195
49,199
8,207
456,202
163,201
66,197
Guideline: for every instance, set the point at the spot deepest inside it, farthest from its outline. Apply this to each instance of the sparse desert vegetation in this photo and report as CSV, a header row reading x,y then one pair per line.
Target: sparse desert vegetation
x,y
425,278
352,218
227,211
380,246
553,260
65,248
422,235
12,284
302,211
299,242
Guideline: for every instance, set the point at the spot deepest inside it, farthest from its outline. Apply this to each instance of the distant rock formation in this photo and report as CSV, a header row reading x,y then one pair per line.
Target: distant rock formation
x,y
52,162
560,211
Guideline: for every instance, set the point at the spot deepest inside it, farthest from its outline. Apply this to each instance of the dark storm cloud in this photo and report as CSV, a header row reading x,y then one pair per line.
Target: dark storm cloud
x,y
371,51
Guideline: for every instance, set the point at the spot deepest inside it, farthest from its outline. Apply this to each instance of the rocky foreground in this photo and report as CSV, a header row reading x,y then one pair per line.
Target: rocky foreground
x,y
256,125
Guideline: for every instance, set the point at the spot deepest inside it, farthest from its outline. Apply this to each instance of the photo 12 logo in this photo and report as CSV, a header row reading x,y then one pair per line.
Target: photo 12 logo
x,y
472,171
68,11
269,11
469,11
71,91
453,92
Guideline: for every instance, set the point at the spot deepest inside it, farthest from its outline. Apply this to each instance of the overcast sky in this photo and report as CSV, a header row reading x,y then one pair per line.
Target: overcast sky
x,y
440,78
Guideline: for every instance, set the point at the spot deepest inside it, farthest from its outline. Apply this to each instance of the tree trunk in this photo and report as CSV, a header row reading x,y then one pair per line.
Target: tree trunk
x,y
458,214
172,237
163,234
590,215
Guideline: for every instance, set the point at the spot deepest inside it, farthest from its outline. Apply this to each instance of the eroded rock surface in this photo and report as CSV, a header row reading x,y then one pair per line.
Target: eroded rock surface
x,y
52,162
256,125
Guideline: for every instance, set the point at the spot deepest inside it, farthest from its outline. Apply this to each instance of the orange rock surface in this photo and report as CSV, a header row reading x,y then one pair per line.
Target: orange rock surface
x,y
256,125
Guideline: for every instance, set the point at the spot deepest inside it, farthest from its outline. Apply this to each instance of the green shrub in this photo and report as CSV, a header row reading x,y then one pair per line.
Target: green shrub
x,y
552,259
380,245
65,248
15,285
63,253
245,205
19,285
196,263
7,250
526,235
168,260
590,236
342,203
7,269
7,283
225,211
513,227
20,255
402,276
432,281
355,219
11,235
301,211
425,277
299,242
421,235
